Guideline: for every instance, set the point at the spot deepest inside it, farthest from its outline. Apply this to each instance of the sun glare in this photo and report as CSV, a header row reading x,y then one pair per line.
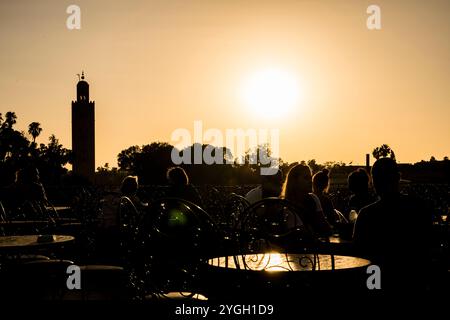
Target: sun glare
x,y
271,92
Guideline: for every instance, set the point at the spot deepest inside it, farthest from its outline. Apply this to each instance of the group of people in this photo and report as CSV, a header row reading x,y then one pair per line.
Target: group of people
x,y
310,194
178,187
391,229
389,226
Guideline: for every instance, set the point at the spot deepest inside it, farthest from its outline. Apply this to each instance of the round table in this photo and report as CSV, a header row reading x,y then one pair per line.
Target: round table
x,y
30,242
273,262
282,276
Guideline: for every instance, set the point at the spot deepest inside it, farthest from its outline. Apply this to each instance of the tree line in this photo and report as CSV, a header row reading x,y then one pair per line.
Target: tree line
x,y
19,149
150,162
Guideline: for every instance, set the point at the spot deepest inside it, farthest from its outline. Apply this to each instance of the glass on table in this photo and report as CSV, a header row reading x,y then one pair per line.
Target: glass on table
x,y
353,216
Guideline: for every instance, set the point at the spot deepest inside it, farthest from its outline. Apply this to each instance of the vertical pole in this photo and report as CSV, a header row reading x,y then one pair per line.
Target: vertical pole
x,y
367,162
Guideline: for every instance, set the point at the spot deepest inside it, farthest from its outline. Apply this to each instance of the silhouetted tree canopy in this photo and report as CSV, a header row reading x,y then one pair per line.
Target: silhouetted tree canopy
x,y
52,159
34,129
315,167
383,151
16,152
150,163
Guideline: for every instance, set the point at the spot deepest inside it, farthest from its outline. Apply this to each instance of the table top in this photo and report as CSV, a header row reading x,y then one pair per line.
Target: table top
x,y
274,262
30,241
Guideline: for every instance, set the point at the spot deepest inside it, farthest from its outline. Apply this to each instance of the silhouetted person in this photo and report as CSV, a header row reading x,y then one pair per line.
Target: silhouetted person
x,y
129,189
358,184
298,190
270,187
321,183
27,187
179,186
394,232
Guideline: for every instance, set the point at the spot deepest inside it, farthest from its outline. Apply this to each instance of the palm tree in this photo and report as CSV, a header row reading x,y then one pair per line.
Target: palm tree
x,y
10,120
34,129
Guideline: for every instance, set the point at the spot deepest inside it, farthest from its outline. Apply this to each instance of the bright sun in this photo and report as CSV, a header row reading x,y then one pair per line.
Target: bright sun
x,y
271,92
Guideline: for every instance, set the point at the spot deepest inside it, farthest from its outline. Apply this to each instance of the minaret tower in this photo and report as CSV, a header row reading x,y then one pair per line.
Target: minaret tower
x,y
83,132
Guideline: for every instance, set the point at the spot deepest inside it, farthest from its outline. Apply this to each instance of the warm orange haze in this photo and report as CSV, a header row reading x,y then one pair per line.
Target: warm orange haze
x,y
313,70
224,157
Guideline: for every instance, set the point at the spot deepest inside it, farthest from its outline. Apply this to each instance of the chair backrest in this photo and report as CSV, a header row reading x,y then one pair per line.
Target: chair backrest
x,y
128,214
175,235
174,226
129,217
339,217
234,207
273,224
50,210
41,212
36,210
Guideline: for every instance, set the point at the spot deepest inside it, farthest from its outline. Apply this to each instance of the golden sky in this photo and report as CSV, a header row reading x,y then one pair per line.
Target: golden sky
x,y
155,66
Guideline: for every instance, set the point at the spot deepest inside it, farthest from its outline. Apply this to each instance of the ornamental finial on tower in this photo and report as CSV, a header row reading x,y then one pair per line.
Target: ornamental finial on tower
x,y
82,75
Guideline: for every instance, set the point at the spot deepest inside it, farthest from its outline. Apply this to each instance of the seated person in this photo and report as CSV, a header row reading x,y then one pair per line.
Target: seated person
x,y
26,188
270,187
394,232
321,183
358,184
129,189
298,190
179,186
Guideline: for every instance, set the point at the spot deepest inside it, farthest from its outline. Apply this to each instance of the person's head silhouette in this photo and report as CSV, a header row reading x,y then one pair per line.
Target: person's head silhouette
x,y
358,181
298,181
321,181
271,184
129,186
385,177
177,176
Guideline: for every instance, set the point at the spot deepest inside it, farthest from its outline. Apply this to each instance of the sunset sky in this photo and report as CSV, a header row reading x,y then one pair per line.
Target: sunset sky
x,y
156,66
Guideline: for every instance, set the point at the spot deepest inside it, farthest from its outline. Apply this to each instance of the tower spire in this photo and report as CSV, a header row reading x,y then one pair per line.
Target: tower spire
x,y
82,88
83,131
